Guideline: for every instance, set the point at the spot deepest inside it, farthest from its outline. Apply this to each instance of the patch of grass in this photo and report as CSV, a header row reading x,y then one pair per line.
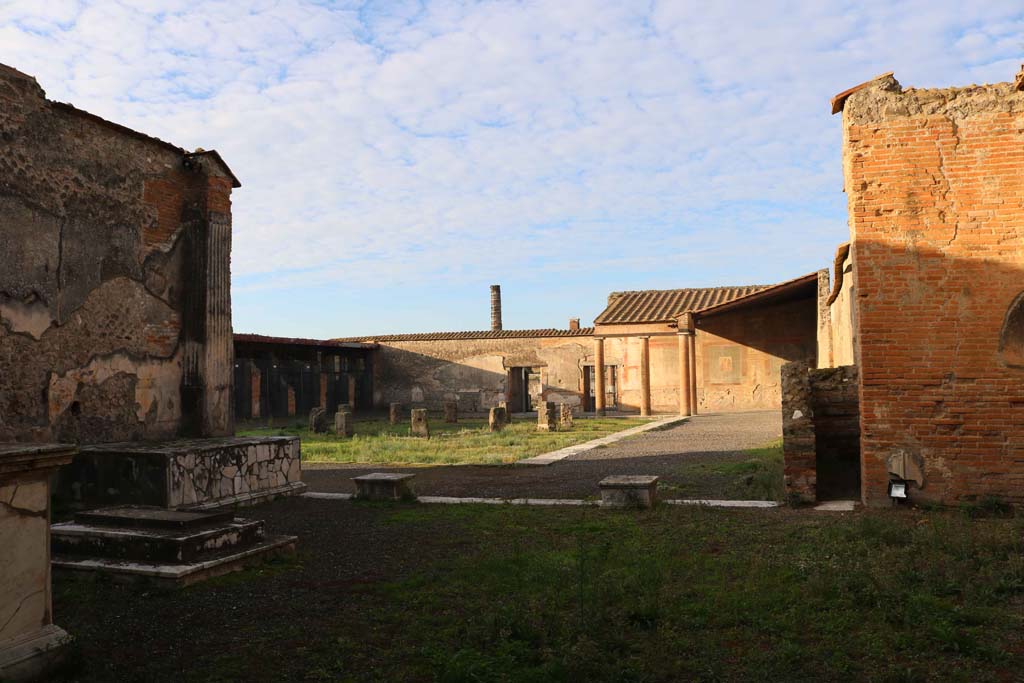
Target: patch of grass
x,y
757,476
468,441
691,594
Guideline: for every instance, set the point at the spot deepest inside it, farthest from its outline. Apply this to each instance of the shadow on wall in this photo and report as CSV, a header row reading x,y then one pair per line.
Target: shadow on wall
x,y
476,382
941,341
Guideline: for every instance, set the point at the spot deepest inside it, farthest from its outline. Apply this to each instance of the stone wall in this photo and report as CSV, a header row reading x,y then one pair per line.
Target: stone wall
x,y
821,432
474,372
740,354
934,185
115,309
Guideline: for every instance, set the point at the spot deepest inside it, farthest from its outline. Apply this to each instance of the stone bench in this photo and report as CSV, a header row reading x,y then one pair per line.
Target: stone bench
x,y
384,486
629,490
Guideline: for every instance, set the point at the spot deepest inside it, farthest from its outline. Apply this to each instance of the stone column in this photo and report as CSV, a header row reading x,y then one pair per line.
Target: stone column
x,y
565,422
547,417
599,375
419,423
451,412
352,392
496,419
395,413
29,641
343,424
645,376
684,374
692,342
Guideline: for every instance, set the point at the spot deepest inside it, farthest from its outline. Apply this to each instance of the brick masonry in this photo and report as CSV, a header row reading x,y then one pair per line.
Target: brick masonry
x,y
936,206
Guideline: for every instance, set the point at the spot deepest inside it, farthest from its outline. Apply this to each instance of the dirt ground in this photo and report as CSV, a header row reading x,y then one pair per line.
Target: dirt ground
x,y
686,457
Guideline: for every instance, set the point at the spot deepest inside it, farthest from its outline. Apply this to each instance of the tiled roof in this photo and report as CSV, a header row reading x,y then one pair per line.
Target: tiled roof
x,y
480,334
805,285
664,305
300,341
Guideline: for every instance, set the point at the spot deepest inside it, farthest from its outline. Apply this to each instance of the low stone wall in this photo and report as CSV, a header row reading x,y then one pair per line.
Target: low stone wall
x,y
820,431
188,473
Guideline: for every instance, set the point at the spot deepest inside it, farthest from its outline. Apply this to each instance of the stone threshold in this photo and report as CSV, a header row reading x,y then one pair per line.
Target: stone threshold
x,y
552,502
545,459
32,656
179,575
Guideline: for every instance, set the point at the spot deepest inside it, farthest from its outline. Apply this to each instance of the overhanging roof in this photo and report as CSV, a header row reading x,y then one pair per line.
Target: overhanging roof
x,y
797,288
665,305
300,341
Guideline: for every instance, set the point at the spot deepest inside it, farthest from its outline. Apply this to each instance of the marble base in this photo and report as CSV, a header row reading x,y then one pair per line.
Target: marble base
x,y
629,491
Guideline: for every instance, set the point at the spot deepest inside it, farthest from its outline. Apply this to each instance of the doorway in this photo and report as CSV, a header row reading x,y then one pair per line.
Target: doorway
x,y
610,388
523,385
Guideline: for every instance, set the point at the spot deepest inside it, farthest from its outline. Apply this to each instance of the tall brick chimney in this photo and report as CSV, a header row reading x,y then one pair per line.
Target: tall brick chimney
x,y
574,323
495,307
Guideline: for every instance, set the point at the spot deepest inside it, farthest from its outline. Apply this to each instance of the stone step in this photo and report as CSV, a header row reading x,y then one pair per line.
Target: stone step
x,y
144,517
153,545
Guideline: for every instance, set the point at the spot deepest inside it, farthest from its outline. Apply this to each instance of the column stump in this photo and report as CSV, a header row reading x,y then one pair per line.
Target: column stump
x,y
343,423
419,423
547,417
629,490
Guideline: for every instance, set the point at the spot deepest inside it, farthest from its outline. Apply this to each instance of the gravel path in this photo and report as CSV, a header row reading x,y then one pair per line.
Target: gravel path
x,y
675,454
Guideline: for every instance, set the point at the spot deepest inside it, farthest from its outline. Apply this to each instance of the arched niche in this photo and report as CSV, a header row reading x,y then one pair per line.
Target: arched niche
x,y
1011,337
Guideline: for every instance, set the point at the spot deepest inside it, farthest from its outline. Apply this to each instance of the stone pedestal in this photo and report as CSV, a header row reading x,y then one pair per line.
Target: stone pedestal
x,y
547,417
419,423
451,411
30,644
343,423
496,419
395,413
185,473
384,486
508,413
318,420
629,490
565,417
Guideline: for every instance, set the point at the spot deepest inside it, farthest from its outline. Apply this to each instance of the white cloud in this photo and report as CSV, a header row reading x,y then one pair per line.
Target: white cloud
x,y
408,143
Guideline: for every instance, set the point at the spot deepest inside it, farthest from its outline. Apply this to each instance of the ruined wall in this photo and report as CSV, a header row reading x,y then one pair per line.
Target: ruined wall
x,y
740,353
115,310
935,192
821,432
474,372
835,324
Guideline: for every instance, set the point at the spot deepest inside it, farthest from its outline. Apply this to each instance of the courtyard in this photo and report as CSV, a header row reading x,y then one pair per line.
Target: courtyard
x,y
375,440
734,456
412,592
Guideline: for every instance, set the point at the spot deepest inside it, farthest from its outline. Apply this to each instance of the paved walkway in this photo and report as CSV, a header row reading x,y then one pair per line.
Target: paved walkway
x,y
684,456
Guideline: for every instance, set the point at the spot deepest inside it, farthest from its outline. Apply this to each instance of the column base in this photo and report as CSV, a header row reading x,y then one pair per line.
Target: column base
x,y
33,656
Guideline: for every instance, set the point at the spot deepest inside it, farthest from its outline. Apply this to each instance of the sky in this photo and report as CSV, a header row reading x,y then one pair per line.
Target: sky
x,y
396,158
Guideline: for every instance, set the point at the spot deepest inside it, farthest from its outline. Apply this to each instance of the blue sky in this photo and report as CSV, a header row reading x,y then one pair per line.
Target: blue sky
x,y
399,157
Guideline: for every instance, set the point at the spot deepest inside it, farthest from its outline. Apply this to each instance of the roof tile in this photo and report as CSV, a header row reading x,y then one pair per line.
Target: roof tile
x,y
665,305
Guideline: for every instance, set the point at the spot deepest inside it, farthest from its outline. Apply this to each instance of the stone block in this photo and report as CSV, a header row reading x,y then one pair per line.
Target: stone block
x,y
547,417
565,417
385,486
451,411
343,423
496,419
318,420
395,413
29,642
508,413
419,423
629,490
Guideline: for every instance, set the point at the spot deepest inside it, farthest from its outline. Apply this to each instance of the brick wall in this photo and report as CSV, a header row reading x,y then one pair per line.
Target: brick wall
x,y
936,205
